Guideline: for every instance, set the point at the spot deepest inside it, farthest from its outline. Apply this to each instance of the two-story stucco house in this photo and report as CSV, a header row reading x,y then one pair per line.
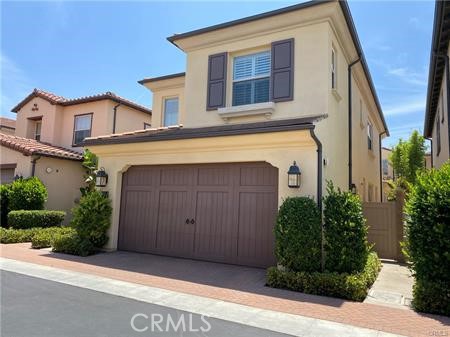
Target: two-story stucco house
x,y
48,136
437,126
261,96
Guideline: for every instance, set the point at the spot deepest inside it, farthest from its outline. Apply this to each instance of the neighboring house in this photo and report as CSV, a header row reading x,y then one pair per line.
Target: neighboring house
x,y
258,94
387,171
7,126
48,136
437,112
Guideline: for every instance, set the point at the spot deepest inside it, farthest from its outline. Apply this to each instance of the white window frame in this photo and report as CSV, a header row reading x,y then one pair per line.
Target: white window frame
x,y
333,69
75,130
37,134
252,77
165,101
370,136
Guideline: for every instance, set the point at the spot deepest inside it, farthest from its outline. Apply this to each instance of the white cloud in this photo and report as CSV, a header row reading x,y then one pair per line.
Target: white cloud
x,y
15,84
409,76
404,108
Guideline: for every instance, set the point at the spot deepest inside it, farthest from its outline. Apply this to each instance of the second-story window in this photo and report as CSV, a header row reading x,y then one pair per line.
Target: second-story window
x,y
82,128
171,111
369,136
37,130
251,78
333,69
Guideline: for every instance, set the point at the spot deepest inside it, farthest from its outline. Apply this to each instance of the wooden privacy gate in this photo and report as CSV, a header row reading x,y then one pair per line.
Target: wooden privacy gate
x,y
385,221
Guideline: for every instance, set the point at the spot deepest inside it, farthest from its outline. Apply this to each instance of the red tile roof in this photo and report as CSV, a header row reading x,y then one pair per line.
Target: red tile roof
x,y
32,147
55,99
7,123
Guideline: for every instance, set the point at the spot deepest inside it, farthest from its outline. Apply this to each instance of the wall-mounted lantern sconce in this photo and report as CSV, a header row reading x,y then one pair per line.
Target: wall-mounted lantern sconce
x,y
294,176
353,188
101,178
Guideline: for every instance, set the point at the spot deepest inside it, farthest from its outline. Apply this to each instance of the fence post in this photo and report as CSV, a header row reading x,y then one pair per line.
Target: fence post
x,y
399,222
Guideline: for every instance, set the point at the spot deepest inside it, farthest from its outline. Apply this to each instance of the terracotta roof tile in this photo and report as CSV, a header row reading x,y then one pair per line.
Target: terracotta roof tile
x,y
55,99
7,123
32,147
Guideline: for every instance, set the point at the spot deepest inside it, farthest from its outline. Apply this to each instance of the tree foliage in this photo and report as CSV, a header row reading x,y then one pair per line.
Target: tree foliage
x,y
90,163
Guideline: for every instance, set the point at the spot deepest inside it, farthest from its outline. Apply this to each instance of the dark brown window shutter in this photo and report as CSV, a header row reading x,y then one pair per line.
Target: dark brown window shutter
x,y
282,77
217,81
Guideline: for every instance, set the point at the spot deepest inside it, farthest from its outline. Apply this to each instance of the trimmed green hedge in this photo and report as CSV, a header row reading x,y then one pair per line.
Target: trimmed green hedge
x,y
432,297
72,243
44,237
346,246
11,235
29,219
348,286
298,235
428,239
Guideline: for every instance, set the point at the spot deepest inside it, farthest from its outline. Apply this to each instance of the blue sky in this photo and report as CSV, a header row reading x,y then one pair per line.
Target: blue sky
x,y
81,48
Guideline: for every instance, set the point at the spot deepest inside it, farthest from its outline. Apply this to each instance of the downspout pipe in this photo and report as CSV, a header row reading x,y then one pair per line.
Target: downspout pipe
x,y
34,160
447,85
319,189
381,171
350,110
319,168
115,117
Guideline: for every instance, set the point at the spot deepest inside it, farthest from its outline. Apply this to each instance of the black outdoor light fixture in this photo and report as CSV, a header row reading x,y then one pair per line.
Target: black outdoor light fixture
x,y
101,178
294,175
353,188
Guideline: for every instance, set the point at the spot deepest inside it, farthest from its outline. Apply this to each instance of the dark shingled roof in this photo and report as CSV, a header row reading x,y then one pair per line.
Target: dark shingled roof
x,y
179,132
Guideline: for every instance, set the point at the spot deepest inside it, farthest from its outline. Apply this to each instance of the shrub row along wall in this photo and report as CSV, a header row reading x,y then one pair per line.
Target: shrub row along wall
x,y
428,240
349,269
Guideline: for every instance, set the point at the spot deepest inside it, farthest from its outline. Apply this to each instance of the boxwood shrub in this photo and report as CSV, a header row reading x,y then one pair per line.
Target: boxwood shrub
x,y
343,285
91,218
298,235
40,218
345,229
29,193
11,235
72,243
44,237
428,239
4,197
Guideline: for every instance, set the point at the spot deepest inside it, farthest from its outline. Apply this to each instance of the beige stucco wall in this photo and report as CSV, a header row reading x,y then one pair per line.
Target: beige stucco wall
x,y
48,111
58,121
7,131
169,88
441,157
23,163
278,149
315,32
128,119
62,183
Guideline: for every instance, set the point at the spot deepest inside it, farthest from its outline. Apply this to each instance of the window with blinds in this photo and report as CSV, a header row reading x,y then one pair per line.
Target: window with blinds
x,y
251,78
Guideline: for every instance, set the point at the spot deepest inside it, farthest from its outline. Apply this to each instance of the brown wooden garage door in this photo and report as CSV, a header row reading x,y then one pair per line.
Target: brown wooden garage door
x,y
216,212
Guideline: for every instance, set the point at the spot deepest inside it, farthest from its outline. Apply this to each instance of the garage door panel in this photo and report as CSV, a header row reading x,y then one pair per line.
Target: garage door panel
x,y
256,223
257,175
174,234
233,206
215,232
141,176
139,231
214,176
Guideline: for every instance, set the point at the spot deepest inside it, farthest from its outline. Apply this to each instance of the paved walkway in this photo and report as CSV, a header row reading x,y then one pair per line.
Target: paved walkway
x,y
393,286
238,285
